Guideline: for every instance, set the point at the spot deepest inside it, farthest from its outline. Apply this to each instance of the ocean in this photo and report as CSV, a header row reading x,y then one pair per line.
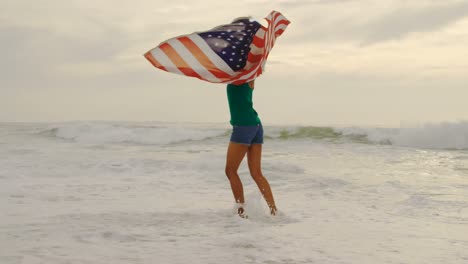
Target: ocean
x,y
155,192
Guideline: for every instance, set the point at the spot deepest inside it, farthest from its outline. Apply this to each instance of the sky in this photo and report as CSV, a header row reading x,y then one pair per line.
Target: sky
x,y
340,62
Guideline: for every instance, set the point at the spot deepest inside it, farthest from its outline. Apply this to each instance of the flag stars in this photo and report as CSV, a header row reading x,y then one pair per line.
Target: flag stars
x,y
231,42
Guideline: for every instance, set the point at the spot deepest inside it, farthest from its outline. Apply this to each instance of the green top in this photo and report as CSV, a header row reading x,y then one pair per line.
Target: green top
x,y
241,105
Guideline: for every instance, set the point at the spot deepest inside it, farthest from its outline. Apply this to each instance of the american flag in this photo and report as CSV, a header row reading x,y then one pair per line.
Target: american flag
x,y
233,53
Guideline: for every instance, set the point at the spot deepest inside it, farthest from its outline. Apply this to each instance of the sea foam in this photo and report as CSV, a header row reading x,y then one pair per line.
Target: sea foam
x,y
104,133
446,135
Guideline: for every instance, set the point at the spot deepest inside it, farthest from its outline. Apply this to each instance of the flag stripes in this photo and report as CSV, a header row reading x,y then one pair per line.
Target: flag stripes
x,y
212,57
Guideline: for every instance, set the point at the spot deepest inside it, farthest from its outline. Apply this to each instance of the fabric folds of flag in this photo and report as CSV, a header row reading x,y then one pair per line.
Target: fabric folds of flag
x,y
233,53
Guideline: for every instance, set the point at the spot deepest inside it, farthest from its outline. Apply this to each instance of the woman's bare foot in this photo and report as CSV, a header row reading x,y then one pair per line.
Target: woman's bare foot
x,y
241,212
273,210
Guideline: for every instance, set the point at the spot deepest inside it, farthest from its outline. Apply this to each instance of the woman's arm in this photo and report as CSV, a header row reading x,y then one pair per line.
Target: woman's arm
x,y
252,84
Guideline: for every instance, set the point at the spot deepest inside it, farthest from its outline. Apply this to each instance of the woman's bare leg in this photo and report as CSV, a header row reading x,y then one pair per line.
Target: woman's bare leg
x,y
254,158
235,155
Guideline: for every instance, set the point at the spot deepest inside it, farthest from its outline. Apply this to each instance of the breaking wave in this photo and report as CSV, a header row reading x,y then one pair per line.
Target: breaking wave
x,y
448,135
105,133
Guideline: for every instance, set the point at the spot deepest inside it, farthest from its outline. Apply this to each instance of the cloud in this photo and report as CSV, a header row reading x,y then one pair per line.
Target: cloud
x,y
33,57
403,21
24,57
303,3
71,53
371,22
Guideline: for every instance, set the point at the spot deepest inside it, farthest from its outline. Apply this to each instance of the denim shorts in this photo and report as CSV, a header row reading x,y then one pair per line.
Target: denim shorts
x,y
247,135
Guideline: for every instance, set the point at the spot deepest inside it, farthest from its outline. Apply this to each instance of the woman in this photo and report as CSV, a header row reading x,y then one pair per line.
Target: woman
x,y
246,138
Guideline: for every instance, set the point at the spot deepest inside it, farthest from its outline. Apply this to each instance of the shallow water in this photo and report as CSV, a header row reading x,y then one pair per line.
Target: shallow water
x,y
99,192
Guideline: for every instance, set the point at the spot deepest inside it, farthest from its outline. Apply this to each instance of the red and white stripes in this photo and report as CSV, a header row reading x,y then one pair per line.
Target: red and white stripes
x,y
191,56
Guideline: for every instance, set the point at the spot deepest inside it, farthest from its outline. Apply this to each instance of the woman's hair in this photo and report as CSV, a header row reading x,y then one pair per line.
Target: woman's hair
x,y
239,19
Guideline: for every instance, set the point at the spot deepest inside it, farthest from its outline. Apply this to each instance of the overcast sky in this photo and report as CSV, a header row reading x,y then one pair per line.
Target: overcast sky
x,y
340,62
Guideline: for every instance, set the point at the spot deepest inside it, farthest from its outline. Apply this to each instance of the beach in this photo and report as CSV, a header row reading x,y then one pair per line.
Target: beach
x,y
156,192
